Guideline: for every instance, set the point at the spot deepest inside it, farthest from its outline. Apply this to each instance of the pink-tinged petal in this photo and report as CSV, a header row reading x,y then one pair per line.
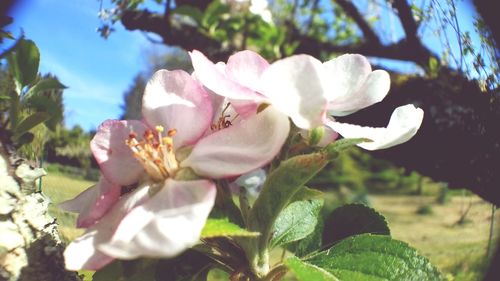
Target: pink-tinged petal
x,y
214,79
93,203
83,252
114,157
353,84
403,125
244,108
240,148
174,100
295,86
328,136
245,68
169,223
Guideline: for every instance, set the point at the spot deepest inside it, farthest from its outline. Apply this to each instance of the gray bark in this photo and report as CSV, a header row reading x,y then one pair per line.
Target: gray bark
x,y
30,248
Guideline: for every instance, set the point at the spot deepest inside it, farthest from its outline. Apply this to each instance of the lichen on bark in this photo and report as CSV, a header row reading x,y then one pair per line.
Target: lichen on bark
x,y
30,248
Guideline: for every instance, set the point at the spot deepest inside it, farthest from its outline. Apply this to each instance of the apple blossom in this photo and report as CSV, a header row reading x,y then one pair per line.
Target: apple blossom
x,y
155,193
308,90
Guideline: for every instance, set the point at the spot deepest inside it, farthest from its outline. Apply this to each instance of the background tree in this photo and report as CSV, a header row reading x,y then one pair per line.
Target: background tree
x,y
458,142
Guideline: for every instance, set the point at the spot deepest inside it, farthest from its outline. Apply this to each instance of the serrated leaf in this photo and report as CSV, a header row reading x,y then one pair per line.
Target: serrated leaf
x,y
279,188
23,63
43,85
296,222
30,122
222,227
374,258
306,272
353,219
333,149
311,243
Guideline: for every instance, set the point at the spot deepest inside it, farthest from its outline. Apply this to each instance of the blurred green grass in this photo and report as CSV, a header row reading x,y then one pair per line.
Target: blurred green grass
x,y
457,250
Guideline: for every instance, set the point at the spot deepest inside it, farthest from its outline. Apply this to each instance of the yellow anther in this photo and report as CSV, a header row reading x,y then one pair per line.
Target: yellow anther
x,y
159,129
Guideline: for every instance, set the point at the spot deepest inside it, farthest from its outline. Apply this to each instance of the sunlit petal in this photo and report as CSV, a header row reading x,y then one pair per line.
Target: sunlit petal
x,y
214,79
245,68
93,203
174,100
295,86
114,157
353,85
240,148
403,125
169,223
83,253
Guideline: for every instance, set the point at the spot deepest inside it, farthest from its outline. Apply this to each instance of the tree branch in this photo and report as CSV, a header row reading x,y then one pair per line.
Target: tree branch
x,y
177,34
403,50
406,17
354,13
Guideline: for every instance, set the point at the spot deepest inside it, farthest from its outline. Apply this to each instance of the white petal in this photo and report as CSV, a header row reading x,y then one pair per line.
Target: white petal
x,y
245,68
353,85
114,157
403,125
296,87
169,223
174,100
93,203
240,148
214,79
83,253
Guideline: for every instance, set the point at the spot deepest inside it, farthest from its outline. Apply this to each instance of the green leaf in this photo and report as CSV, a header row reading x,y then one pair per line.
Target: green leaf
x,y
333,149
5,97
23,63
189,11
374,258
306,272
311,243
296,222
306,193
25,138
353,219
43,85
222,227
124,270
112,271
213,12
279,188
47,104
30,122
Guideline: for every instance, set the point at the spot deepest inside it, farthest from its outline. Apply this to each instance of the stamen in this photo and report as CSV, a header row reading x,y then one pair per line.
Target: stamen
x,y
155,152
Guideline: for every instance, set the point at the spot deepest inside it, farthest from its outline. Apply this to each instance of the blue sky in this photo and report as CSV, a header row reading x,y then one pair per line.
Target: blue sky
x,y
97,71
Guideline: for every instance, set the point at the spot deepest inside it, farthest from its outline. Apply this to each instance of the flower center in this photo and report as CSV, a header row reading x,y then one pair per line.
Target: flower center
x,y
223,121
155,152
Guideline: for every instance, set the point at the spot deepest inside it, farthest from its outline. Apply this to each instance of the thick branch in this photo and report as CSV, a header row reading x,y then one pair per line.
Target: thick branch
x,y
185,36
353,12
402,50
406,17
